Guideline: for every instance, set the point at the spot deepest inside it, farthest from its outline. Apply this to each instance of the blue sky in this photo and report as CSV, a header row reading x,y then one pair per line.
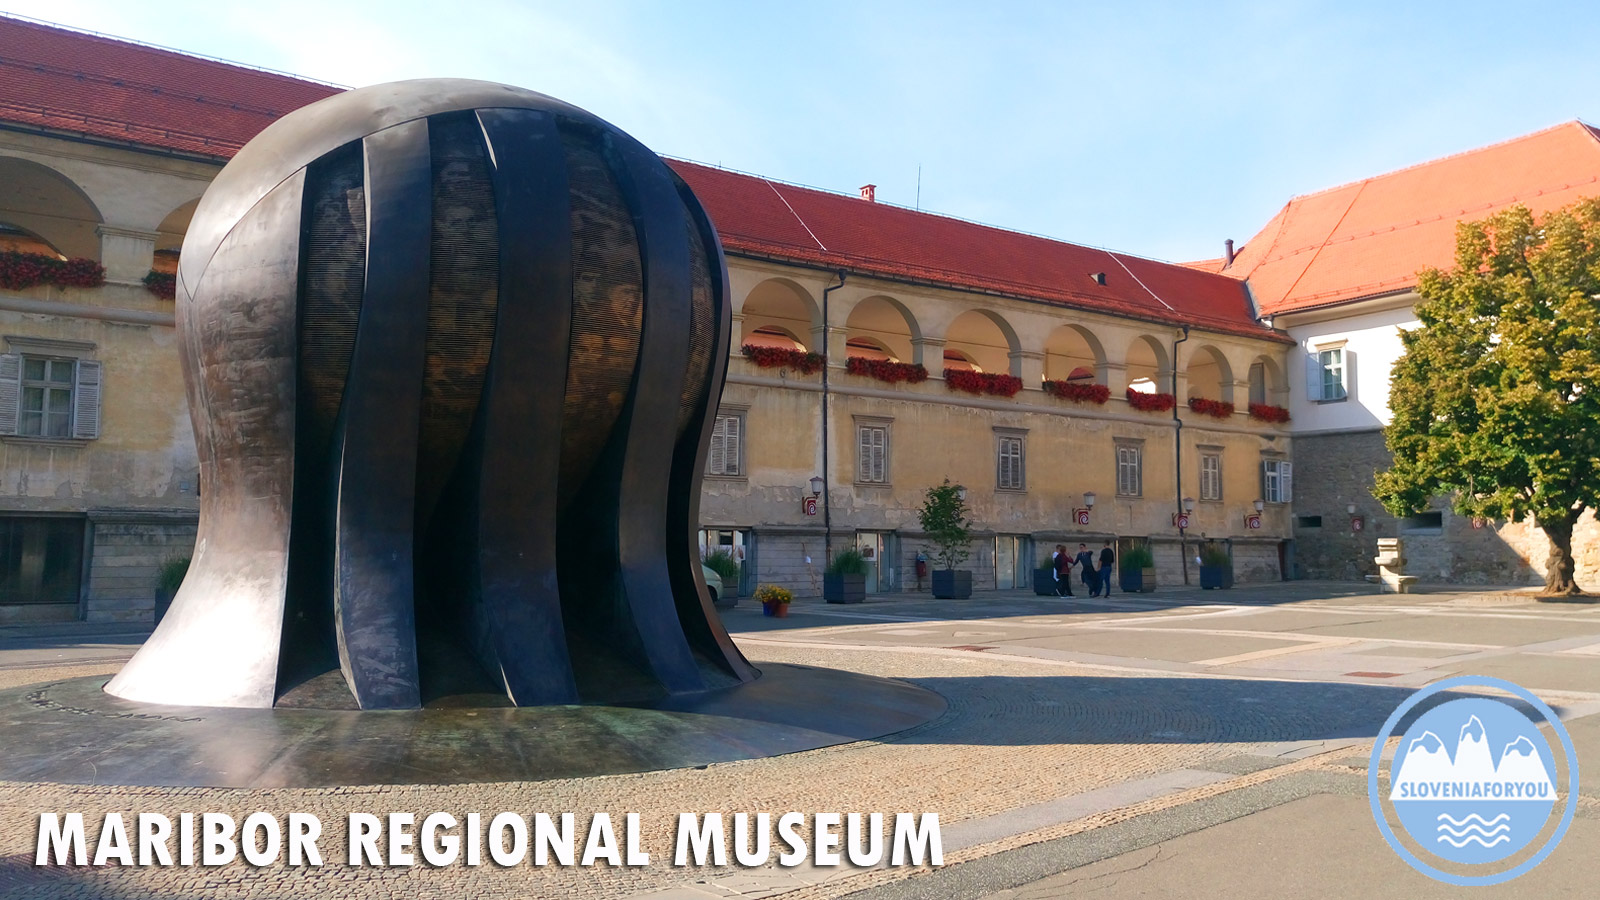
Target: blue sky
x,y
1158,129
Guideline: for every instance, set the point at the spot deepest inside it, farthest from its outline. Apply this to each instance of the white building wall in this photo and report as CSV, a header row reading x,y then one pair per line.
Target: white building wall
x,y
1372,345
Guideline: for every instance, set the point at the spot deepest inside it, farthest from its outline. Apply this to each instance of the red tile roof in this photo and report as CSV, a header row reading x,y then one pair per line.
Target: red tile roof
x,y
1370,237
759,217
98,87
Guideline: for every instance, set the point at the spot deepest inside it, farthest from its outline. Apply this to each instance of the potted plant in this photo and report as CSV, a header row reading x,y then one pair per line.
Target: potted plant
x,y
727,569
845,581
1044,577
1137,570
168,580
944,520
1216,566
774,600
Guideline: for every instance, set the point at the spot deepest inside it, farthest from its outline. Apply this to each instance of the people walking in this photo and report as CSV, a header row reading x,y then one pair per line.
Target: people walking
x,y
1108,558
1061,567
1090,577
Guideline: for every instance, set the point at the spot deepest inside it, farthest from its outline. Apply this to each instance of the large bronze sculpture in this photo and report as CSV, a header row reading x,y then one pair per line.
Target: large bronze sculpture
x,y
452,352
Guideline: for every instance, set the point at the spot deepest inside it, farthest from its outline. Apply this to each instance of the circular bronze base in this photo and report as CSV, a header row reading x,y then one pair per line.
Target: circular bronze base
x,y
73,732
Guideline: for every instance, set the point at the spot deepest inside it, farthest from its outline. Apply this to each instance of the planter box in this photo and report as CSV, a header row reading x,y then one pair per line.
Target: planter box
x,y
163,602
1142,581
952,584
1044,581
775,610
1216,577
844,588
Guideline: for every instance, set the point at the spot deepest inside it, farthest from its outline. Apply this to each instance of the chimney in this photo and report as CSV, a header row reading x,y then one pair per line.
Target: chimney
x,y
1227,253
869,193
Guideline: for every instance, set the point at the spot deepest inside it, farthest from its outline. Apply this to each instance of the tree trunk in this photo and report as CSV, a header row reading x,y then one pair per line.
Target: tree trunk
x,y
1559,567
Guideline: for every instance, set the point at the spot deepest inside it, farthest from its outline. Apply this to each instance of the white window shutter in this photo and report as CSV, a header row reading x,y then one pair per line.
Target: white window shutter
x,y
1265,494
717,459
1285,482
880,455
733,447
1313,376
1349,372
86,400
10,392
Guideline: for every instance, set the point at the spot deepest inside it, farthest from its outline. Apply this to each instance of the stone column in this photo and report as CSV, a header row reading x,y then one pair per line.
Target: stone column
x,y
127,253
930,353
1029,366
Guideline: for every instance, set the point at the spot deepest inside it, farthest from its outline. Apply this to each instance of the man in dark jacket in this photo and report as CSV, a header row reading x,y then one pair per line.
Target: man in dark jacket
x,y
1062,564
1107,557
1086,559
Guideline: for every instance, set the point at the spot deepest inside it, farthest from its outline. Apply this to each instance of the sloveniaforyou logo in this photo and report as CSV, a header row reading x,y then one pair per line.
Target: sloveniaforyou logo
x,y
1474,781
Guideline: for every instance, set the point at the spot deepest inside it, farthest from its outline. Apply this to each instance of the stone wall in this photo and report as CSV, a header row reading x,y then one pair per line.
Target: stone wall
x,y
125,565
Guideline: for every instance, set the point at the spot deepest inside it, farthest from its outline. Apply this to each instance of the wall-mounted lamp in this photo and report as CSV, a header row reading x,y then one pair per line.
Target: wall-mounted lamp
x,y
816,485
1081,514
1259,505
1088,499
1351,509
1188,504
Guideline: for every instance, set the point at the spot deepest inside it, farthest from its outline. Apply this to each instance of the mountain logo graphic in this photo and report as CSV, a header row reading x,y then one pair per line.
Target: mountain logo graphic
x,y
1473,781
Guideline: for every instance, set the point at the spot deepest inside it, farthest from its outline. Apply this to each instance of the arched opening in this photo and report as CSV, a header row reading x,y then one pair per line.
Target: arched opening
x,y
983,339
16,239
1210,376
869,348
1147,368
43,203
960,361
1266,381
1073,354
881,328
169,236
778,313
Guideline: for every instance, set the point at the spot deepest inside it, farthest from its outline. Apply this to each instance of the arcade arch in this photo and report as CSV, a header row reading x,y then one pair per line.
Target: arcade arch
x,y
41,202
778,313
1209,375
881,327
1072,353
1147,366
982,340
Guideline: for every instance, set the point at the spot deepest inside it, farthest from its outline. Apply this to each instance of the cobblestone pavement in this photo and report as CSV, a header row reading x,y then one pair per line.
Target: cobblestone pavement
x,y
1067,721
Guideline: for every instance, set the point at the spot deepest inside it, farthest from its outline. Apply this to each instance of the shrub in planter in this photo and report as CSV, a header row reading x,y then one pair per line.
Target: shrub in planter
x,y
945,520
845,580
1150,402
1216,566
992,383
774,600
168,580
1137,570
1266,412
727,568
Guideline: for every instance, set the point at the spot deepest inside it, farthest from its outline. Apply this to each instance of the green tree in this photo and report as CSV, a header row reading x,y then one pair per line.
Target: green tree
x,y
1496,401
944,520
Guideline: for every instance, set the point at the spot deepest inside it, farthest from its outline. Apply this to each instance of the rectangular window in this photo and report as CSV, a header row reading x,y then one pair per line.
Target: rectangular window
x,y
1423,523
41,560
1210,476
726,457
1010,474
1308,522
46,397
872,455
1325,375
1130,476
1276,481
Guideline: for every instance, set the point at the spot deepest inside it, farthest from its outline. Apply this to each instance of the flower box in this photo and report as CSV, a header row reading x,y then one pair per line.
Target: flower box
x,y
1078,391
22,270
884,370
1150,402
782,358
162,284
992,383
1216,409
1266,412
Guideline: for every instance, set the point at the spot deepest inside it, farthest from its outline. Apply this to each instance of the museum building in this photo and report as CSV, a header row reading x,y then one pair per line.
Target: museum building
x,y
1037,374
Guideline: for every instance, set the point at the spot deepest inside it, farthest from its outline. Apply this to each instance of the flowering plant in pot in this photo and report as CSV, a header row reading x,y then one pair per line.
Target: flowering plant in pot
x,y
784,358
845,581
1150,402
1078,392
774,600
1217,409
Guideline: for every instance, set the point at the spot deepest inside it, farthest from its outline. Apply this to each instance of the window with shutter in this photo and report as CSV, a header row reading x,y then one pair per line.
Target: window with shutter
x,y
1129,477
86,400
726,456
1313,377
10,392
1275,480
1210,477
872,464
1009,464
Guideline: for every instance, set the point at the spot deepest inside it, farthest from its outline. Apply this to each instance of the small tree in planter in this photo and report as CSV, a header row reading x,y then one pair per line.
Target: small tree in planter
x,y
1216,566
846,578
1137,570
944,520
727,568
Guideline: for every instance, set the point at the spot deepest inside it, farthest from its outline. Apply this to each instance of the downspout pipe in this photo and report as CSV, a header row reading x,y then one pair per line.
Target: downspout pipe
x,y
1177,455
827,480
